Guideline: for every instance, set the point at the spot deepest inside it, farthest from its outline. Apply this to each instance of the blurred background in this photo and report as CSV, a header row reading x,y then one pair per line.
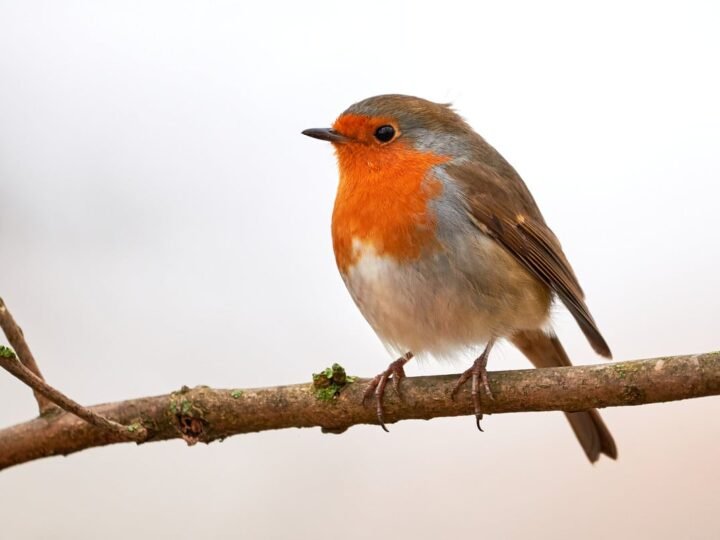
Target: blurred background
x,y
163,222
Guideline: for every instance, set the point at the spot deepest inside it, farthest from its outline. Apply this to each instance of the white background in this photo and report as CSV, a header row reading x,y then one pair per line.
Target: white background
x,y
163,222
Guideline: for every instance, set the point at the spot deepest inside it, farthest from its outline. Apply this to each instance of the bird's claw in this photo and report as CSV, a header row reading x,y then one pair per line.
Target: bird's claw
x,y
396,373
478,374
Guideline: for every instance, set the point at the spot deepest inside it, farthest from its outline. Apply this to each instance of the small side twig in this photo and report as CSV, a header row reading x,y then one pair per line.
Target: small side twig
x,y
27,371
15,336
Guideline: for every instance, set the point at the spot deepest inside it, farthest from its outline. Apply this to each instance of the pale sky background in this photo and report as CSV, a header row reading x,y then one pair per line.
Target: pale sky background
x,y
163,222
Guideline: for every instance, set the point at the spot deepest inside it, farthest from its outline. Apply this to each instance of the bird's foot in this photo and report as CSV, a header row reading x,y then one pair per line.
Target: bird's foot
x,y
395,373
478,373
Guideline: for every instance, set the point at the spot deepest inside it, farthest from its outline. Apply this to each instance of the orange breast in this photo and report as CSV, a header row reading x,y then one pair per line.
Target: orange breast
x,y
382,200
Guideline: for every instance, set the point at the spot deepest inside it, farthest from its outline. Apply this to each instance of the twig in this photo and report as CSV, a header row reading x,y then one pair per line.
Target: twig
x,y
15,336
206,414
12,364
22,365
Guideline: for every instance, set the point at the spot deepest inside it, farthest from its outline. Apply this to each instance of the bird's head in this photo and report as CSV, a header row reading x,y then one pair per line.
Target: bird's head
x,y
394,129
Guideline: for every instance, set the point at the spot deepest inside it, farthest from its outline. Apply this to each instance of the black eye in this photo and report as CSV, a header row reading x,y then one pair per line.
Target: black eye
x,y
384,133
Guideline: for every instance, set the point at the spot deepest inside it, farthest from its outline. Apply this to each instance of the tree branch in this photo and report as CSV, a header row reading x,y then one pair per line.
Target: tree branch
x,y
206,414
22,365
12,364
15,336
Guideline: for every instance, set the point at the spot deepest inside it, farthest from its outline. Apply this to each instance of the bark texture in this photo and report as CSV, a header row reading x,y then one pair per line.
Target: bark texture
x,y
332,402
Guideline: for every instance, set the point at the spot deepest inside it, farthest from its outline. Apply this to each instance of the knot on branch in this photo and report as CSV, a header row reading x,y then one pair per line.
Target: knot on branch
x,y
189,417
190,427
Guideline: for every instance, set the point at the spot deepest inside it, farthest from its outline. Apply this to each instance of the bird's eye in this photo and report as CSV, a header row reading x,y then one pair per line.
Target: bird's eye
x,y
385,133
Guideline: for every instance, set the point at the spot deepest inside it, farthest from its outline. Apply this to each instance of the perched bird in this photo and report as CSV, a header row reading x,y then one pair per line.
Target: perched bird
x,y
442,247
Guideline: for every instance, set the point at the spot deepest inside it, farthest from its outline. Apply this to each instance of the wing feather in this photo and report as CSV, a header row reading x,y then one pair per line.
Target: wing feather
x,y
502,207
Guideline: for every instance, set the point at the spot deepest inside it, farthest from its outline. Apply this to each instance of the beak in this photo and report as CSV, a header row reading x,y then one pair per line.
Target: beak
x,y
326,134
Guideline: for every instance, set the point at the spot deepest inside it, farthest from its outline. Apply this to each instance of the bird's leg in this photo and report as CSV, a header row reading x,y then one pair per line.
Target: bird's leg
x,y
394,372
478,372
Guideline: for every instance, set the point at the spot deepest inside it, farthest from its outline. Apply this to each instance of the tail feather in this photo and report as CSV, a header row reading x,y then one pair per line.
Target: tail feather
x,y
547,351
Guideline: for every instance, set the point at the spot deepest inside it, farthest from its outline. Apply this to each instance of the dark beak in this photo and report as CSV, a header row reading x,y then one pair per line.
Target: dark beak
x,y
326,134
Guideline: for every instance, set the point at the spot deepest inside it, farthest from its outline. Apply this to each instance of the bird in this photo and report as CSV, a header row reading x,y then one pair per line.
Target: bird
x,y
443,249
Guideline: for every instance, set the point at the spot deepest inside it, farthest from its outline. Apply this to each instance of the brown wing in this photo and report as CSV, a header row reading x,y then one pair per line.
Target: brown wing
x,y
500,205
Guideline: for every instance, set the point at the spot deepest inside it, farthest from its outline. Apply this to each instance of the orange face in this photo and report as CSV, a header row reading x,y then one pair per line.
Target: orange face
x,y
384,192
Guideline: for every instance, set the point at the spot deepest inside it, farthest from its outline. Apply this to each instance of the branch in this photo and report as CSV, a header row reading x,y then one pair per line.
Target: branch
x,y
205,414
22,365
15,336
12,364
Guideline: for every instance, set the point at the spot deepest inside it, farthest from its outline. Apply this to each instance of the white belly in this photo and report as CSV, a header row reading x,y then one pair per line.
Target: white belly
x,y
444,302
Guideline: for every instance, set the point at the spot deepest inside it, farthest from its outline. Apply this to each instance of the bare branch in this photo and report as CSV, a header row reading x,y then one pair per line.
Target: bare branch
x,y
206,414
15,336
10,362
22,365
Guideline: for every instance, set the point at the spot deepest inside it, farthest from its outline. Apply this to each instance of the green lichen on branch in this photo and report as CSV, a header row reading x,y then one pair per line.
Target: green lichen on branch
x,y
623,370
236,394
7,352
329,382
179,404
185,406
135,426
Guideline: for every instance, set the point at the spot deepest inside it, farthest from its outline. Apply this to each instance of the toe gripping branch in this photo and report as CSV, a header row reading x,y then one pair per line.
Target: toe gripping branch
x,y
395,373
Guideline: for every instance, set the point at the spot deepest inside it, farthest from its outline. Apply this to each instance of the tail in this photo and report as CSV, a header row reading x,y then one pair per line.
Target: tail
x,y
547,351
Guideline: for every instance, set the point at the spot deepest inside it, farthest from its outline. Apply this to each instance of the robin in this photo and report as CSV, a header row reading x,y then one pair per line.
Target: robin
x,y
443,248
